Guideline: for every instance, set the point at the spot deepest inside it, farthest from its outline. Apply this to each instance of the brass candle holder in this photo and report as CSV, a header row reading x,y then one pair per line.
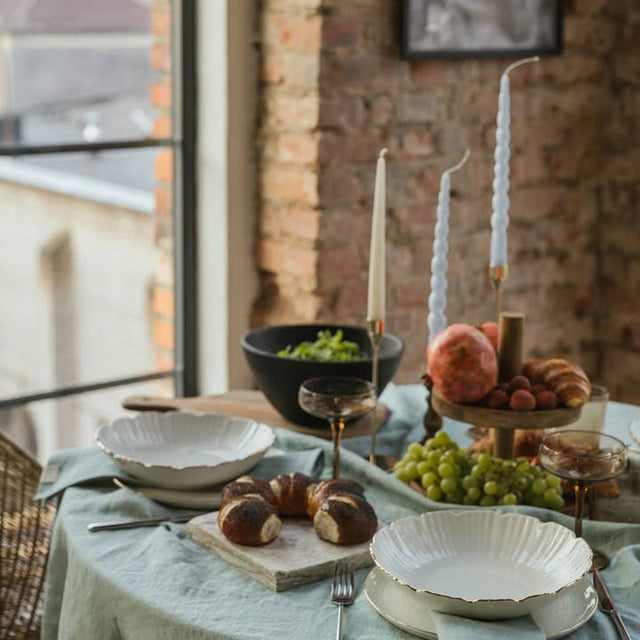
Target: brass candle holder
x,y
498,274
375,331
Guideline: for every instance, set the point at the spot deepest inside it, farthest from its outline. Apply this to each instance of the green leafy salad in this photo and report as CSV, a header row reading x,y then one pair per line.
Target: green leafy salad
x,y
327,348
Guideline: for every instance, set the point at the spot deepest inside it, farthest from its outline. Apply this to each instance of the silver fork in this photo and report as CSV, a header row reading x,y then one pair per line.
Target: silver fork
x,y
342,591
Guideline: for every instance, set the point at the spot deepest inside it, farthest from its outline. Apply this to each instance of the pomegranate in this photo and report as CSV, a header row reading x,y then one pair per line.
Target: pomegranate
x,y
490,329
462,363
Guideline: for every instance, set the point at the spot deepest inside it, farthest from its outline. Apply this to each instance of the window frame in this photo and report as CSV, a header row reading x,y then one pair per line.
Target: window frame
x,y
183,145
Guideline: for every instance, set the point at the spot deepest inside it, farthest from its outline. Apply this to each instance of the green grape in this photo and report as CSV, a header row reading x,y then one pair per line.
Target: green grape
x,y
445,470
469,501
397,465
430,443
538,501
484,460
556,503
522,467
448,485
457,469
402,475
411,457
423,467
468,482
433,457
490,487
550,496
520,482
477,471
509,499
552,481
487,501
539,486
535,472
503,489
434,493
457,497
411,469
474,494
428,479
415,447
448,458
442,438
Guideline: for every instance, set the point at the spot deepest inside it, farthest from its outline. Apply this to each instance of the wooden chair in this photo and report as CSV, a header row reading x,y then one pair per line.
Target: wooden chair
x,y
25,530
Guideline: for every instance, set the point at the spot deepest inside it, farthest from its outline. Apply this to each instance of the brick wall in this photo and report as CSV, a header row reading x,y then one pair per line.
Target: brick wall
x,y
334,91
161,100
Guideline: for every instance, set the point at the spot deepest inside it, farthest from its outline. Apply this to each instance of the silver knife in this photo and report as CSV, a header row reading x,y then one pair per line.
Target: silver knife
x,y
606,604
142,522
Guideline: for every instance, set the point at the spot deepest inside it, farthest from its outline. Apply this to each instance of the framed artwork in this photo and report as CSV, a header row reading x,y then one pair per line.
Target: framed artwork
x,y
481,28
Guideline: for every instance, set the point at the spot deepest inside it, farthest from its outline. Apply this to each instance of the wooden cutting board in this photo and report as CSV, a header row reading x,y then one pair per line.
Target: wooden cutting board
x,y
296,557
254,405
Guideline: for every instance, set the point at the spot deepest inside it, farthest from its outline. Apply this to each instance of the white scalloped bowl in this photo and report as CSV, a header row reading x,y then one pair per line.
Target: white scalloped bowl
x,y
181,450
481,564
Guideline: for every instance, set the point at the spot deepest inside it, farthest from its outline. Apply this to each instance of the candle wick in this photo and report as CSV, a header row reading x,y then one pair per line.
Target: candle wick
x,y
461,163
383,153
519,63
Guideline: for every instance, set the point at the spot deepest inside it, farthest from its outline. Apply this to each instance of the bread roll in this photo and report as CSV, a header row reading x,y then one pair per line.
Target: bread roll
x,y
318,493
248,485
291,490
249,520
345,519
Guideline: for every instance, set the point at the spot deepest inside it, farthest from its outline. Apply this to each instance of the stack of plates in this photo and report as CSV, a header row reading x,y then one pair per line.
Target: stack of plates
x,y
174,456
480,565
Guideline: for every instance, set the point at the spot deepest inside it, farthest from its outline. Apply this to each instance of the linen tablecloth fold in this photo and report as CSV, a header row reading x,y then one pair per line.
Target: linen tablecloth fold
x,y
451,627
89,465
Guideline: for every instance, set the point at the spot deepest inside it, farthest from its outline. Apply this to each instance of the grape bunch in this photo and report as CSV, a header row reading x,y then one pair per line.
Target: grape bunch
x,y
450,474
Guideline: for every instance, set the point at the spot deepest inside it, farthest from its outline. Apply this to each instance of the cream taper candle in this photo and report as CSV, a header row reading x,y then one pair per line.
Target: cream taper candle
x,y
376,293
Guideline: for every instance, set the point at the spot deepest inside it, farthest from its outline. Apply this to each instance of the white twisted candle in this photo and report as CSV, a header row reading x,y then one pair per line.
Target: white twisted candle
x,y
500,201
437,320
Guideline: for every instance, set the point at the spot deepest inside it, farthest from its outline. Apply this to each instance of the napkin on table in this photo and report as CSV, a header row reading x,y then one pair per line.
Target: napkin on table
x,y
450,627
85,465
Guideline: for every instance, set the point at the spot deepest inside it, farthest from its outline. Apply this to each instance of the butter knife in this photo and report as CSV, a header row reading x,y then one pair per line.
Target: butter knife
x,y
142,522
606,604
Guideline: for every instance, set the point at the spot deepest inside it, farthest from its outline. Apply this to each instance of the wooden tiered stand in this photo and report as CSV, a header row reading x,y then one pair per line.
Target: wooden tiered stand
x,y
505,422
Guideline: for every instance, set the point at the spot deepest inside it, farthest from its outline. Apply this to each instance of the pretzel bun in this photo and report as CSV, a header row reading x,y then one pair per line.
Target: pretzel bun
x,y
566,379
249,520
318,493
291,490
248,485
345,519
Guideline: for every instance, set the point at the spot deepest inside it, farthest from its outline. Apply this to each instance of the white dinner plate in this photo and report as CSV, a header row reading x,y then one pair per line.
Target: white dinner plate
x,y
404,608
202,500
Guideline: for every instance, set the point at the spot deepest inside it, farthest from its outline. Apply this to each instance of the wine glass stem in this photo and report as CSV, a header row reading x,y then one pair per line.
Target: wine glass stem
x,y
337,425
581,489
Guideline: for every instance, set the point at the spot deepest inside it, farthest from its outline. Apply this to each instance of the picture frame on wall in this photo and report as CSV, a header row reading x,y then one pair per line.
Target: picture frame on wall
x,y
458,29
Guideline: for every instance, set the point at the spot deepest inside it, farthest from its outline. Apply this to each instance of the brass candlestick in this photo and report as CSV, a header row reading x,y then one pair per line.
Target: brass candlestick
x,y
375,331
498,274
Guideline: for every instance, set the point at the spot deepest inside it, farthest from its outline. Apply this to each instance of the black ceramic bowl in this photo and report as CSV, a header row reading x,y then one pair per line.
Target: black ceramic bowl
x,y
280,378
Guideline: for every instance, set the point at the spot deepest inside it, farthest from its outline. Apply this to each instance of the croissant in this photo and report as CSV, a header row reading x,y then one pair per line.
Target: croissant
x,y
566,379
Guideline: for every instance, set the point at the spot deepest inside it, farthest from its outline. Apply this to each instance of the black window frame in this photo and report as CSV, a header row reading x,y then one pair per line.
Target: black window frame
x,y
183,144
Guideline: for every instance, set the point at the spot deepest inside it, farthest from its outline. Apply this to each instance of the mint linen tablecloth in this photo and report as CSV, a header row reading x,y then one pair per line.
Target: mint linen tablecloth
x,y
154,583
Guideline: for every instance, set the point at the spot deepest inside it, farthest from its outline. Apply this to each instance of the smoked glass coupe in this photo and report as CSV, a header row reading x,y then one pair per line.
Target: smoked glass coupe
x,y
338,400
584,458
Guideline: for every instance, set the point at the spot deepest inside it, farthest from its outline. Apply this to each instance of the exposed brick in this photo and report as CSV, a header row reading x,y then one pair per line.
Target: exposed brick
x,y
164,165
162,127
340,32
342,263
163,333
161,95
163,302
301,223
164,201
289,184
292,32
343,113
161,56
291,113
161,22
278,257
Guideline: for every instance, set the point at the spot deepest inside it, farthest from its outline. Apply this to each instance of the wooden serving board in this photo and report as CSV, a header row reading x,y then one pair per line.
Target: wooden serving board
x,y
254,405
296,557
